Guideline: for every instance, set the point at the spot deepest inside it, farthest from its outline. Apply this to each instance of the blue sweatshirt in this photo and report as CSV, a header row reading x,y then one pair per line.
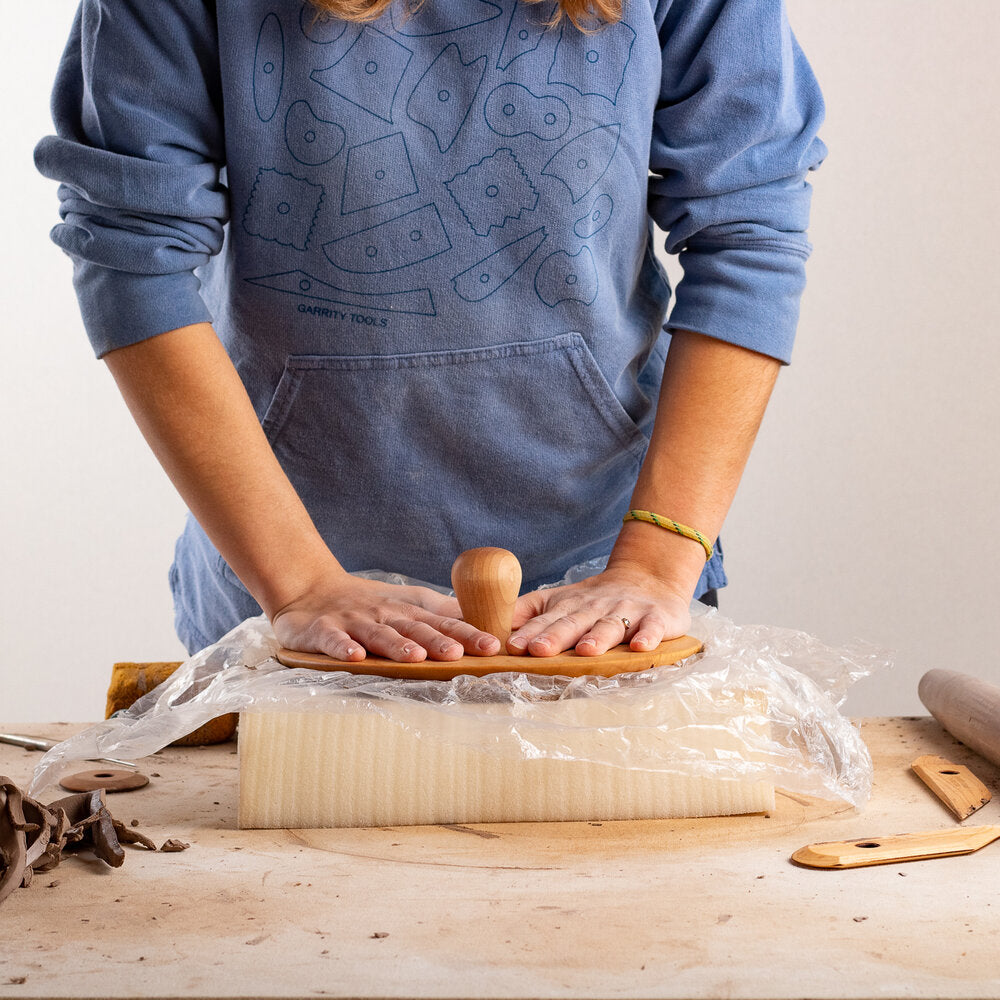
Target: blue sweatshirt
x,y
426,243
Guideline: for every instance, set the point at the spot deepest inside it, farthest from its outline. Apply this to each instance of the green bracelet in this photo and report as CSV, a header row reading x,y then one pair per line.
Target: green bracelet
x,y
671,525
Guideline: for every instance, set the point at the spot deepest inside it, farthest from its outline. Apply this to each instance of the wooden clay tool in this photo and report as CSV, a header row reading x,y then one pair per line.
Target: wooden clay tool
x,y
486,582
109,780
956,786
969,709
902,847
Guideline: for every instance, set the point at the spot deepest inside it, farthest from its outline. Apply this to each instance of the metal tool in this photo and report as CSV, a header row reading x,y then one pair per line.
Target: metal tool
x,y
35,743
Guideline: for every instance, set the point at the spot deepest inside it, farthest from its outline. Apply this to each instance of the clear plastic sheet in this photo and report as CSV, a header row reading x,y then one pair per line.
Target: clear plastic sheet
x,y
759,703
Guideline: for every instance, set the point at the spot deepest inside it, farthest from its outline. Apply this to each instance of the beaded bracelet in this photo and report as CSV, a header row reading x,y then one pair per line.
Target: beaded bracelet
x,y
671,525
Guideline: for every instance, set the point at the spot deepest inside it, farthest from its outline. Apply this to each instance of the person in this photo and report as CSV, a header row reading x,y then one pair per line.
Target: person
x,y
378,285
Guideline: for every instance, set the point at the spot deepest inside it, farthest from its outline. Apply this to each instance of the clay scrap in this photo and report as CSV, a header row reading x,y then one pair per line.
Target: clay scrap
x,y
33,836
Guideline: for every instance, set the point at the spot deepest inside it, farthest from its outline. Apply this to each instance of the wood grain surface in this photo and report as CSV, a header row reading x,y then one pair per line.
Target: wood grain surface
x,y
877,850
954,784
618,660
697,908
968,707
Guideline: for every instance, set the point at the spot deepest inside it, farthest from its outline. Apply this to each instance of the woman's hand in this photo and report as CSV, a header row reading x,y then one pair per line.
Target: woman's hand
x,y
590,616
343,616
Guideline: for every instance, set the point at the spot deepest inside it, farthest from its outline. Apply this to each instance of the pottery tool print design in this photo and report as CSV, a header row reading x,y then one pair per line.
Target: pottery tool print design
x,y
444,95
441,69
583,161
369,73
524,31
513,110
318,28
282,208
492,191
487,275
597,61
596,219
377,172
268,67
417,301
566,277
310,139
399,242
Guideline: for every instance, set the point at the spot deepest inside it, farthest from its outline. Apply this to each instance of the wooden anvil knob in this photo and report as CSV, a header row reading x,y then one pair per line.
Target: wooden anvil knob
x,y
486,582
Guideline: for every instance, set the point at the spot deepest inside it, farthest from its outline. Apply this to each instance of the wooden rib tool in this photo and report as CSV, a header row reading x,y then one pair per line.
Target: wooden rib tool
x,y
902,847
956,786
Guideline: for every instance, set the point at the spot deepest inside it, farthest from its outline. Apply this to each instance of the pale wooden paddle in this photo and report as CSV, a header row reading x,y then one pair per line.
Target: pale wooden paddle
x,y
900,847
486,582
954,784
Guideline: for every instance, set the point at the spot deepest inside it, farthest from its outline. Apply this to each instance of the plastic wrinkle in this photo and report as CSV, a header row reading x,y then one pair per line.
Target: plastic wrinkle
x,y
759,703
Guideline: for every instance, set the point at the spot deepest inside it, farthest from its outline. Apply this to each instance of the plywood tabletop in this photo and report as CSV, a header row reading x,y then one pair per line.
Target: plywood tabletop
x,y
672,908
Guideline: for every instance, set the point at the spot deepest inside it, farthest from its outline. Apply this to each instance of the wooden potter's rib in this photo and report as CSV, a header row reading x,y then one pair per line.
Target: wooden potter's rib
x,y
902,847
956,786
486,582
619,660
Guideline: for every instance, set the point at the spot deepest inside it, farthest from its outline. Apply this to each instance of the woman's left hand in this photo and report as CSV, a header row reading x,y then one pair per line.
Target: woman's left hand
x,y
619,605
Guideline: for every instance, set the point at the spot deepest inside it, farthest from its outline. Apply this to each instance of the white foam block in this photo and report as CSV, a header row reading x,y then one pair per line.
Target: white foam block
x,y
413,764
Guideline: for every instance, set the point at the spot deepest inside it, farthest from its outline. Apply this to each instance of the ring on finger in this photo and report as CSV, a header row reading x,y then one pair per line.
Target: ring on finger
x,y
626,624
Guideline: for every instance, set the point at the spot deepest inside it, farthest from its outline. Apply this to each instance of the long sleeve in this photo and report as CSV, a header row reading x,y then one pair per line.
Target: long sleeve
x,y
734,136
138,152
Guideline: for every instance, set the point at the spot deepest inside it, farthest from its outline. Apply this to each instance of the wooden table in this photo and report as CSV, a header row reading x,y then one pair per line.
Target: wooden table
x,y
691,908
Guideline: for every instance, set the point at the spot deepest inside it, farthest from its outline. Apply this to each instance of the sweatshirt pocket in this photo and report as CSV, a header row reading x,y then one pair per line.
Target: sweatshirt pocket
x,y
405,460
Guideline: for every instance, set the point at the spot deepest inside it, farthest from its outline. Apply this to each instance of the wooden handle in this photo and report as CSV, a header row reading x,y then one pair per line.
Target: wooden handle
x,y
902,847
487,582
967,707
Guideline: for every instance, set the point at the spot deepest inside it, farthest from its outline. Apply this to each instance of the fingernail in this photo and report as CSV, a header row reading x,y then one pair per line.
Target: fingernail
x,y
518,642
585,642
485,643
351,650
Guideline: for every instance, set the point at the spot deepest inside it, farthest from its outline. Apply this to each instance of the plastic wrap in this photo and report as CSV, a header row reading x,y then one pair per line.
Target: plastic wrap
x,y
758,703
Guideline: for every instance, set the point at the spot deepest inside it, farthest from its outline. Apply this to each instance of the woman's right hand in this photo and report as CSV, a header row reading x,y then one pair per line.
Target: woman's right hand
x,y
190,404
344,616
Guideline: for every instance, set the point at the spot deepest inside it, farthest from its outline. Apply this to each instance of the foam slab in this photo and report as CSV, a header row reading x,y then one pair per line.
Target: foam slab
x,y
413,764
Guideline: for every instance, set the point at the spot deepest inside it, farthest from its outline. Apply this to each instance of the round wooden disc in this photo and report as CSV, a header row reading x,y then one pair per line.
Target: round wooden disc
x,y
619,660
108,779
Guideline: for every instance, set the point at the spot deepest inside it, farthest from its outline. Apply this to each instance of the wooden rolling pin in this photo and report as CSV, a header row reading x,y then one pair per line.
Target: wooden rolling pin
x,y
968,707
486,582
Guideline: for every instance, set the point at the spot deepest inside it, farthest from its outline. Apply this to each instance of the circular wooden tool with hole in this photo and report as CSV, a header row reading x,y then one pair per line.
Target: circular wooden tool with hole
x,y
487,582
110,780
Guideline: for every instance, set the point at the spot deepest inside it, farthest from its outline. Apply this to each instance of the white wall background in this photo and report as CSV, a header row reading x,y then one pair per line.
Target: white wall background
x,y
870,505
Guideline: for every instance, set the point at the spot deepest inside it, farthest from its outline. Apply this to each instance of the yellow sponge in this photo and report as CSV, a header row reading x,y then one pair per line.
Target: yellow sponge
x,y
130,681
